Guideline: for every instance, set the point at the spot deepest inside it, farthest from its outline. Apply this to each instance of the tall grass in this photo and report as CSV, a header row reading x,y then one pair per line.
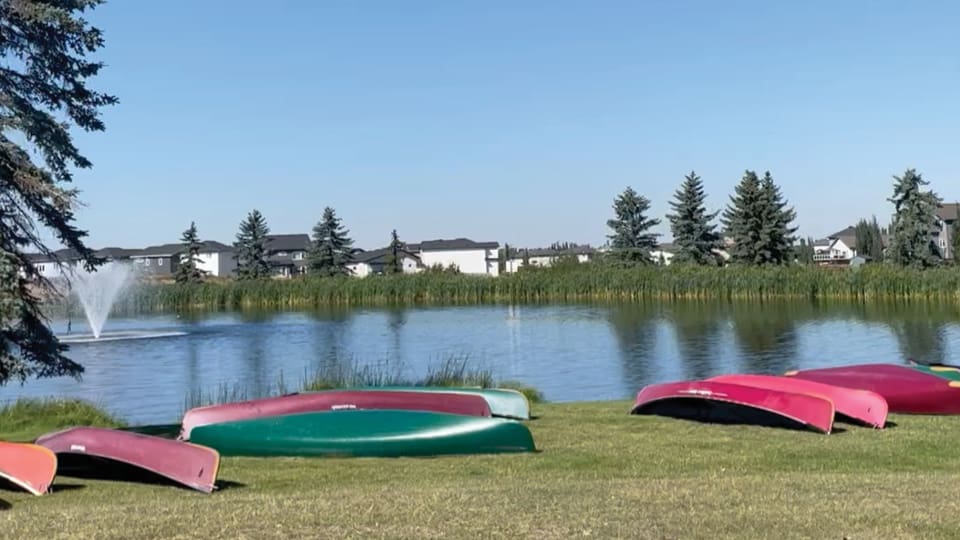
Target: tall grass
x,y
450,371
26,418
587,282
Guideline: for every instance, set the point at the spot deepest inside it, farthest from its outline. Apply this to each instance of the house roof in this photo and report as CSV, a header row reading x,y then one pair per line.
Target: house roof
x,y
949,211
452,244
169,250
287,242
380,255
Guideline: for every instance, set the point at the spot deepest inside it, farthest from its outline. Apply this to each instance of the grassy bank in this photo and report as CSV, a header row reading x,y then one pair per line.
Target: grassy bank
x,y
581,283
600,473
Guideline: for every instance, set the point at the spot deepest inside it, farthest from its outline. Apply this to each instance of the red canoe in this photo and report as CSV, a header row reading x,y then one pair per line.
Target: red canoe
x,y
188,464
446,402
29,466
862,406
907,390
726,403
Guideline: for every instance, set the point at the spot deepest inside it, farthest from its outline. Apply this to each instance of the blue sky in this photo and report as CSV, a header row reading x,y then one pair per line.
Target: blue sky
x,y
510,121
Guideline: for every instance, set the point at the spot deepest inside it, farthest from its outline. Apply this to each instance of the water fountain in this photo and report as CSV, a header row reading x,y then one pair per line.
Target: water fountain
x,y
98,290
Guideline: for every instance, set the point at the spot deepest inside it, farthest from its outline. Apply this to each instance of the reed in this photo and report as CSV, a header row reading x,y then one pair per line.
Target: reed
x,y
586,282
452,370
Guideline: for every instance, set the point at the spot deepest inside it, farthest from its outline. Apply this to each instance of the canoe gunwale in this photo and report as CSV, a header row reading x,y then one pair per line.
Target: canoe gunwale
x,y
738,403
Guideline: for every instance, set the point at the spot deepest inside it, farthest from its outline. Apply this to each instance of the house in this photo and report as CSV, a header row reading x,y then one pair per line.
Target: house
x,y
837,248
468,256
214,258
664,253
545,256
947,215
287,253
69,260
374,261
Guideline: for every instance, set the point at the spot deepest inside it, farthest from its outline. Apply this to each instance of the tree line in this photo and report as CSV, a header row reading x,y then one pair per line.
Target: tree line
x,y
756,227
329,253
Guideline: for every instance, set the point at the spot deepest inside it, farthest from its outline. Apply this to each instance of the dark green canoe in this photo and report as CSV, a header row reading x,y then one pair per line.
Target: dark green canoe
x,y
949,373
503,402
381,433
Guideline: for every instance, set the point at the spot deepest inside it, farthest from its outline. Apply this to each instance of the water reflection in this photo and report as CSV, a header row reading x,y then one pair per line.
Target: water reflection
x,y
698,330
635,328
766,335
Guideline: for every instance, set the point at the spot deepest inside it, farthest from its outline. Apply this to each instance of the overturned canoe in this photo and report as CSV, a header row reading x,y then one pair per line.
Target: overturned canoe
x,y
861,406
382,433
114,453
906,389
447,402
28,466
504,402
726,403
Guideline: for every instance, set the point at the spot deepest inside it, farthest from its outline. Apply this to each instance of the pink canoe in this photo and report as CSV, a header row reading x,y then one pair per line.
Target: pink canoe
x,y
446,402
861,406
28,466
726,403
906,389
97,449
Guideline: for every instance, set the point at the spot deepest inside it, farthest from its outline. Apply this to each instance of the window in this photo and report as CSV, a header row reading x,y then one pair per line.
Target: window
x,y
146,262
159,262
298,256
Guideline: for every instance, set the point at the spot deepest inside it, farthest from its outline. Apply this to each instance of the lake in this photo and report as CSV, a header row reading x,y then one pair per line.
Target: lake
x,y
569,352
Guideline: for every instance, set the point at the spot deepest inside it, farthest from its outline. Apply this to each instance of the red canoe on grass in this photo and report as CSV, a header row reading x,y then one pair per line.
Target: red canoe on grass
x,y
446,402
907,390
862,406
29,466
93,448
726,403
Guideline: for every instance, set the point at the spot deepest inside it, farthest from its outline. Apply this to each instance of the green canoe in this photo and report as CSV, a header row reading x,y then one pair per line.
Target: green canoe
x,y
949,373
365,432
503,402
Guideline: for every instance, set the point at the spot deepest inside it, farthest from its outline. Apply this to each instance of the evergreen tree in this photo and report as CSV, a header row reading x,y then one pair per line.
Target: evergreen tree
x,y
393,263
693,234
632,241
742,221
187,269
44,93
869,239
911,239
250,249
760,222
331,250
778,237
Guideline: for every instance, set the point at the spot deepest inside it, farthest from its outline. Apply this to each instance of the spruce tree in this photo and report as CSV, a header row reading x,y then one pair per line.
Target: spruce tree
x,y
44,93
250,250
805,251
187,269
869,239
632,241
778,233
393,263
742,221
331,250
911,238
695,237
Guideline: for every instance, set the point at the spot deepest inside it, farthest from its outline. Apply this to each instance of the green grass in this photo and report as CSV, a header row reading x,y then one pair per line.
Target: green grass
x,y
586,282
27,417
600,473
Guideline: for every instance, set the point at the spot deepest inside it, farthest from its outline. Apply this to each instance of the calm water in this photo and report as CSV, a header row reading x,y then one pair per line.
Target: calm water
x,y
570,352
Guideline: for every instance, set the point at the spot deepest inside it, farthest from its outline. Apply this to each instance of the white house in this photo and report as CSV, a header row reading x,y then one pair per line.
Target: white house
x,y
469,256
374,261
545,257
838,248
216,259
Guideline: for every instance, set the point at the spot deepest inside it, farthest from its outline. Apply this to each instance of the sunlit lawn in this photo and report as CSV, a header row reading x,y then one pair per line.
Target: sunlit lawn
x,y
600,473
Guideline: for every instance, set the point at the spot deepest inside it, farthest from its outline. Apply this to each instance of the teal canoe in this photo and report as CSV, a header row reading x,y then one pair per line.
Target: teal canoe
x,y
505,403
950,373
365,433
